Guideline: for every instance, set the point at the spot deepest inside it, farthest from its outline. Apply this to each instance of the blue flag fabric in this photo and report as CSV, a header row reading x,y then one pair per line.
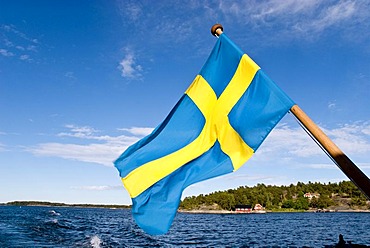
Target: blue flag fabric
x,y
214,128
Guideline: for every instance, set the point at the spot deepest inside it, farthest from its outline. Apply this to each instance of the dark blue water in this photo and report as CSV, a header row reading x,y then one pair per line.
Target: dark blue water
x,y
88,227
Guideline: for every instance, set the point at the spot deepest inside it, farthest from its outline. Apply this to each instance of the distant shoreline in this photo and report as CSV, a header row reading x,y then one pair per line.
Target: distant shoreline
x,y
269,211
202,211
58,204
217,212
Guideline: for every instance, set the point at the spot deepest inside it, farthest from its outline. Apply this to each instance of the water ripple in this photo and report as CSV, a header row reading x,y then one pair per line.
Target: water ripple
x,y
97,228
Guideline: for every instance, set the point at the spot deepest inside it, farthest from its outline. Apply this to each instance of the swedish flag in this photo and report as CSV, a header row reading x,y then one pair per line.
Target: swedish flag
x,y
215,127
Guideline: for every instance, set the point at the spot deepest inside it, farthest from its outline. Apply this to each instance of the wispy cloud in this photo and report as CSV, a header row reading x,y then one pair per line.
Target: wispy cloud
x,y
332,105
129,67
353,138
246,177
364,165
2,147
139,131
70,75
322,166
131,10
366,130
89,147
298,18
32,48
168,25
17,43
6,53
285,143
89,133
335,14
79,131
264,11
25,57
98,188
103,154
288,143
12,29
277,22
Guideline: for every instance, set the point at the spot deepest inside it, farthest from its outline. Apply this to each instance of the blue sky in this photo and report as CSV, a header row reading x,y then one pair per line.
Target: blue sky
x,y
82,80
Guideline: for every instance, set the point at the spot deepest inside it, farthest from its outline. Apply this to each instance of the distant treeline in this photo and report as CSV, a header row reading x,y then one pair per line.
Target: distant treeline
x,y
343,195
57,204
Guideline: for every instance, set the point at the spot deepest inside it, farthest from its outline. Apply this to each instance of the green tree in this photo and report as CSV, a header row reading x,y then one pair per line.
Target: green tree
x,y
324,201
313,202
301,203
226,201
358,201
288,204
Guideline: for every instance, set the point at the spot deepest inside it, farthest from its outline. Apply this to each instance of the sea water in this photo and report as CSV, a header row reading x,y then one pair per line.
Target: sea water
x,y
95,227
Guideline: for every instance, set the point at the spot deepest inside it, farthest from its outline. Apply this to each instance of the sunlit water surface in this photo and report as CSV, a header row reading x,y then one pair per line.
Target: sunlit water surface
x,y
90,227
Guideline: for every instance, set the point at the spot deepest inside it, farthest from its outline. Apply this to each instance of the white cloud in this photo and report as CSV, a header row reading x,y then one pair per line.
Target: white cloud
x,y
352,138
17,42
332,105
2,147
366,130
129,67
139,131
130,10
79,132
288,143
364,165
69,74
285,144
274,19
103,151
246,177
6,53
32,48
283,9
8,43
25,57
103,154
322,166
12,29
334,14
177,22
99,188
299,18
89,133
20,48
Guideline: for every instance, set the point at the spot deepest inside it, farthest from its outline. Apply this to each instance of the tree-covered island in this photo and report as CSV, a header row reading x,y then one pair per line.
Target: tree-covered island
x,y
342,196
300,197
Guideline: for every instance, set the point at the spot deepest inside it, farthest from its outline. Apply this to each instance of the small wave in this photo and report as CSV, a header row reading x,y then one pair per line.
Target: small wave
x,y
51,222
95,242
52,212
55,223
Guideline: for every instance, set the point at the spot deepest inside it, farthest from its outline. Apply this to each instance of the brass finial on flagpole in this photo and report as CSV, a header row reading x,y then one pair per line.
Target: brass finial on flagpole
x,y
217,29
328,146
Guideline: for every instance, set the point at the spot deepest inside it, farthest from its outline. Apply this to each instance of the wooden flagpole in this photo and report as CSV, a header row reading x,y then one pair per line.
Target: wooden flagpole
x,y
333,151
